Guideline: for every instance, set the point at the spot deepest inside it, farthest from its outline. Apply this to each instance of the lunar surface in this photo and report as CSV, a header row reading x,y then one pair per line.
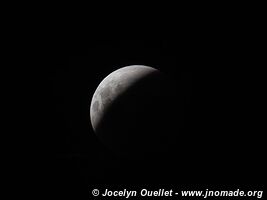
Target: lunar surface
x,y
113,86
129,110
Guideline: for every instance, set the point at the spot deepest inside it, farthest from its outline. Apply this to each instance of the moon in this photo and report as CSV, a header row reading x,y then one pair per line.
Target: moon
x,y
128,109
113,86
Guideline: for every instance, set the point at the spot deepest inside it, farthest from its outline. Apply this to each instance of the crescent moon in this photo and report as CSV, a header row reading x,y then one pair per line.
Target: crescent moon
x,y
112,87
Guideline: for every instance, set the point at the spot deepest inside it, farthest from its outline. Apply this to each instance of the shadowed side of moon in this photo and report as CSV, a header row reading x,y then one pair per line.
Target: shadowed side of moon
x,y
134,112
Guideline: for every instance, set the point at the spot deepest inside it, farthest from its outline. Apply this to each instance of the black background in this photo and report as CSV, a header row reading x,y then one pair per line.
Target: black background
x,y
213,61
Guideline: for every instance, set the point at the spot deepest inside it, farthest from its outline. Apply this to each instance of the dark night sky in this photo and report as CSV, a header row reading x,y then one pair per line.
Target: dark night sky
x,y
214,68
